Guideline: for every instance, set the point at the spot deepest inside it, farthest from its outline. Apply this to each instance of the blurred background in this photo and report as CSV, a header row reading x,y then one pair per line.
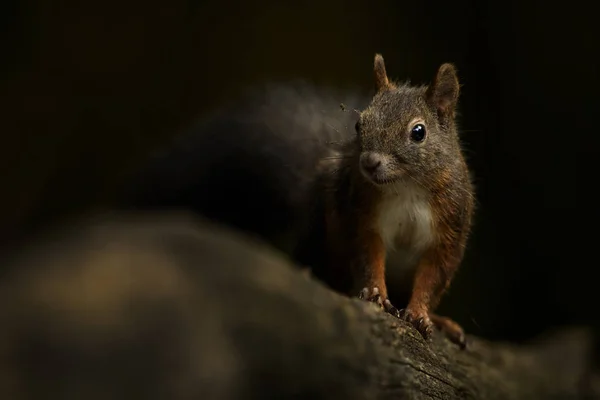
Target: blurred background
x,y
88,89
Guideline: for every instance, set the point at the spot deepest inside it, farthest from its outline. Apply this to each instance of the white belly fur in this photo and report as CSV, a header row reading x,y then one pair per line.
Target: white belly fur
x,y
405,217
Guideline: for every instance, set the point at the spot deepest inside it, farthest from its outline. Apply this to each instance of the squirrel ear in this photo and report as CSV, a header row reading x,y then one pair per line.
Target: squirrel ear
x,y
443,92
381,80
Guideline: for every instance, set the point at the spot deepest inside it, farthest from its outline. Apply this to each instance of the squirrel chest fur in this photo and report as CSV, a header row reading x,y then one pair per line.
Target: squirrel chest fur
x,y
404,219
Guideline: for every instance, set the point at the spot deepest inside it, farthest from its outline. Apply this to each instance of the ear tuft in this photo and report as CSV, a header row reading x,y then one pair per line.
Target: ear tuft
x,y
381,80
443,92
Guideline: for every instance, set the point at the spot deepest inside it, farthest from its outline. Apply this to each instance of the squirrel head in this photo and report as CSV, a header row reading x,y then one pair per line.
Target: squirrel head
x,y
409,132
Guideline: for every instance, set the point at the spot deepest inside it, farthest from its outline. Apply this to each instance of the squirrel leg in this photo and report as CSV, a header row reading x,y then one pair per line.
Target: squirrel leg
x,y
432,278
369,271
453,331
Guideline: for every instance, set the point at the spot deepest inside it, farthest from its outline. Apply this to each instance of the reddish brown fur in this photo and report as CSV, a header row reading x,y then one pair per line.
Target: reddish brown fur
x,y
381,80
373,248
360,248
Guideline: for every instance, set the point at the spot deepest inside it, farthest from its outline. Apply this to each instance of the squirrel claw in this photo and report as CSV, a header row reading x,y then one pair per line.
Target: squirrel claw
x,y
424,323
390,309
420,321
373,295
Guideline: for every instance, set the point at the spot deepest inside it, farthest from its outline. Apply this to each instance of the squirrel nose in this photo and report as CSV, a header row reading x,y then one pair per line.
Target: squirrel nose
x,y
370,162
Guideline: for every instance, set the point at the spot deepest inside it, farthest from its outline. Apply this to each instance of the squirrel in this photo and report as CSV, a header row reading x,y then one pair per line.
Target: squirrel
x,y
401,184
281,164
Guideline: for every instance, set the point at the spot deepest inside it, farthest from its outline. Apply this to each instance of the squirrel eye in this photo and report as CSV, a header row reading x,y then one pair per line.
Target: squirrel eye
x,y
417,133
357,126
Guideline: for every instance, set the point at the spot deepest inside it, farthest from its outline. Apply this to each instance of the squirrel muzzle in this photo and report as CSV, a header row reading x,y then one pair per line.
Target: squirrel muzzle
x,y
379,168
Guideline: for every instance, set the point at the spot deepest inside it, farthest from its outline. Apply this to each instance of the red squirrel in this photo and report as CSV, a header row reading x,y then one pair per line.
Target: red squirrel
x,y
398,186
402,184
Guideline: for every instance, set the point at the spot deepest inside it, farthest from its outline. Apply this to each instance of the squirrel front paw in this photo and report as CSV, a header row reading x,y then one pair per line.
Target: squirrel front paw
x,y
424,323
373,295
419,318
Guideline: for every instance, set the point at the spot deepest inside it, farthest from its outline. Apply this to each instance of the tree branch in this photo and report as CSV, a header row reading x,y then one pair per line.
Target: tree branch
x,y
171,307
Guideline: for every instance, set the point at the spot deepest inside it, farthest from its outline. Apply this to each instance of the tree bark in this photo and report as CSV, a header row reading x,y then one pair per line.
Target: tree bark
x,y
173,307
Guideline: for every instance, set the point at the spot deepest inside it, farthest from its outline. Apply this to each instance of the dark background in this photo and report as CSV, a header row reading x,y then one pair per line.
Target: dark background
x,y
88,89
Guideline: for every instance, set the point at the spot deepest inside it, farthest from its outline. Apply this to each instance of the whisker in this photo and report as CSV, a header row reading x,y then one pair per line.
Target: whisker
x,y
335,157
417,181
475,323
338,142
334,128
